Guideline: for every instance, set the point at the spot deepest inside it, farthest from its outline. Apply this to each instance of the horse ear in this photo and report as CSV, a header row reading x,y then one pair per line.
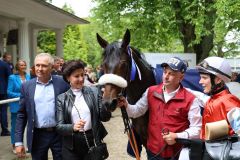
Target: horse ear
x,y
126,39
102,42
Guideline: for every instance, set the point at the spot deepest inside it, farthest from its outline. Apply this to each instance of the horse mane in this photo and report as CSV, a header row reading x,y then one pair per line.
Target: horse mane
x,y
142,57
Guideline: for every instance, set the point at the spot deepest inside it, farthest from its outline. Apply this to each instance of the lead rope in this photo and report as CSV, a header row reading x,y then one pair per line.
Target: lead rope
x,y
128,129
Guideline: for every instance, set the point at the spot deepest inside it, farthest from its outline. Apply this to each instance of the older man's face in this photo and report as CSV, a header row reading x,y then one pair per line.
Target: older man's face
x,y
171,79
43,68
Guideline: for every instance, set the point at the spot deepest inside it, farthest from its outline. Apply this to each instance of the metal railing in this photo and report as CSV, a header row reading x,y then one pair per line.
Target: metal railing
x,y
9,100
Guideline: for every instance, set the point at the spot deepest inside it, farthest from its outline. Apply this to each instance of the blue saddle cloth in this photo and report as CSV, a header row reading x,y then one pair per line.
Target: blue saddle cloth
x,y
191,79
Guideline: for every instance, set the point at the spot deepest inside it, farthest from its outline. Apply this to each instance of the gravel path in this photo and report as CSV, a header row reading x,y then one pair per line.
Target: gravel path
x,y
116,139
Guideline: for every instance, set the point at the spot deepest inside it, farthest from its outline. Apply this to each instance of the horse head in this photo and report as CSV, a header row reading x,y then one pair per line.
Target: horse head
x,y
127,62
115,61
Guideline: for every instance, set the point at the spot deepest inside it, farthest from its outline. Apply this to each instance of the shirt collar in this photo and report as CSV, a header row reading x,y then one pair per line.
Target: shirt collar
x,y
49,81
77,92
173,93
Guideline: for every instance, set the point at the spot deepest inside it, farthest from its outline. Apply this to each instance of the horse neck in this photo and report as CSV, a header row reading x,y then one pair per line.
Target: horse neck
x,y
137,87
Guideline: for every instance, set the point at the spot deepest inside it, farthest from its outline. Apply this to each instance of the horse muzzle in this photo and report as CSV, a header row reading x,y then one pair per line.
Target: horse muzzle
x,y
110,105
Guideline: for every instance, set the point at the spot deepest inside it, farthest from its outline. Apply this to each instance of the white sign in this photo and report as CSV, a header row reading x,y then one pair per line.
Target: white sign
x,y
158,58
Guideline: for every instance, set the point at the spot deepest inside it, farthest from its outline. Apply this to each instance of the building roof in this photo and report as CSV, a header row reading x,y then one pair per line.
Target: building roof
x,y
42,2
39,13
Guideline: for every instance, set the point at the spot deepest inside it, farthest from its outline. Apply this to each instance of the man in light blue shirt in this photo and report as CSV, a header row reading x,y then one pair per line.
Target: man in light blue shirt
x,y
37,108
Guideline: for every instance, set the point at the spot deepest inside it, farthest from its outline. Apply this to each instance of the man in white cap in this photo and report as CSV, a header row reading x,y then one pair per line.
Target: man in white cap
x,y
174,112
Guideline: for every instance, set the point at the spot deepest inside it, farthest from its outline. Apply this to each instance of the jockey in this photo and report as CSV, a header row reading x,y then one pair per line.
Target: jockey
x,y
214,73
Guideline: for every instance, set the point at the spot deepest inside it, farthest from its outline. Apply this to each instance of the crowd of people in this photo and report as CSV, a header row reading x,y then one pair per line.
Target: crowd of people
x,y
62,109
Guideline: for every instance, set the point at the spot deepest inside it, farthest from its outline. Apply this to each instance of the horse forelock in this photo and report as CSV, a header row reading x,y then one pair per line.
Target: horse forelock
x,y
112,55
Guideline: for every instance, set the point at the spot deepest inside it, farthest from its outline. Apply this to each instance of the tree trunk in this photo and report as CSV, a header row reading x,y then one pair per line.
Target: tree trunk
x,y
203,49
187,29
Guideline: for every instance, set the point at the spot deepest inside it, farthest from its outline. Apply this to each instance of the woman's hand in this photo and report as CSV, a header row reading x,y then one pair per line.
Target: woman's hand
x,y
79,125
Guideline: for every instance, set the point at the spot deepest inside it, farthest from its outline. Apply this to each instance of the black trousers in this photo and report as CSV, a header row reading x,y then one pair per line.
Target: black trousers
x,y
80,148
3,114
43,141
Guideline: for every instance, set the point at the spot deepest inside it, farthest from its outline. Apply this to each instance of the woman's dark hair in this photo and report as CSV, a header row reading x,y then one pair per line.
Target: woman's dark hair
x,y
70,66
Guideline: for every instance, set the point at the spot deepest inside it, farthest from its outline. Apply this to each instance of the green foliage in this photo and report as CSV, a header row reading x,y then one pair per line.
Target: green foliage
x,y
75,46
159,25
156,26
89,36
46,41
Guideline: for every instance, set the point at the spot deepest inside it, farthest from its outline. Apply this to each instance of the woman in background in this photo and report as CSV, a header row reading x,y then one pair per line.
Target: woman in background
x,y
14,86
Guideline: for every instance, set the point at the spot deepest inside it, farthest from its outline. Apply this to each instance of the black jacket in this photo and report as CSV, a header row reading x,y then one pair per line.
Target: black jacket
x,y
64,111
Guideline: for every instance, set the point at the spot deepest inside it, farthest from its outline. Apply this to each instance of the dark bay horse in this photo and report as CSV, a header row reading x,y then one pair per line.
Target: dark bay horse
x,y
121,59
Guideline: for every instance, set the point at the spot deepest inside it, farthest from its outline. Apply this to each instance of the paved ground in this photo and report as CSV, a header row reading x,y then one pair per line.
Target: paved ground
x,y
116,141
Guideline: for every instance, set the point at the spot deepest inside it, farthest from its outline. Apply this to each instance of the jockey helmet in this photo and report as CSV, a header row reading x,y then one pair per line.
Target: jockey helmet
x,y
217,66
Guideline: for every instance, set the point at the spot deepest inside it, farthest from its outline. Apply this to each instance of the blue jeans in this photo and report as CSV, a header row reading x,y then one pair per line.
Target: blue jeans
x,y
13,125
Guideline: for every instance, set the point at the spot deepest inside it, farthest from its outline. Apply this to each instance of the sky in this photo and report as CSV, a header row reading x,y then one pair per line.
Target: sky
x,y
81,7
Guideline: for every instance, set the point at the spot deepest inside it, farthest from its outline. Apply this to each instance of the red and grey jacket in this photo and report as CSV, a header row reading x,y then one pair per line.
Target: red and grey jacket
x,y
217,107
172,115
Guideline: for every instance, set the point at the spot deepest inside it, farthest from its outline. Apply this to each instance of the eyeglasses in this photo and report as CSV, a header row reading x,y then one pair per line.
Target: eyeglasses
x,y
205,65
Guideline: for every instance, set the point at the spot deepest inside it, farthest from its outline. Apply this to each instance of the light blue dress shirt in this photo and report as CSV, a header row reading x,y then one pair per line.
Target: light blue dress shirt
x,y
44,99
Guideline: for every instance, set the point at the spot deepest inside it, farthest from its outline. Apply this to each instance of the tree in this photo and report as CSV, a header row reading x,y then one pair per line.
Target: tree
x,y
75,46
46,41
160,25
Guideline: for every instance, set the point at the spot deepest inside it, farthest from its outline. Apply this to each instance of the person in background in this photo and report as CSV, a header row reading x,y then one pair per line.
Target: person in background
x,y
79,110
8,59
174,112
32,72
214,73
5,72
61,63
15,82
234,76
238,78
99,72
38,110
56,66
89,73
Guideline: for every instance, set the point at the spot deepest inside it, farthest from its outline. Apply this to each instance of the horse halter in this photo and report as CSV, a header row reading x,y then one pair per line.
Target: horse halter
x,y
113,105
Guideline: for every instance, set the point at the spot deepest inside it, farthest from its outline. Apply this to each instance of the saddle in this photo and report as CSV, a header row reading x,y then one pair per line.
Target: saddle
x,y
227,148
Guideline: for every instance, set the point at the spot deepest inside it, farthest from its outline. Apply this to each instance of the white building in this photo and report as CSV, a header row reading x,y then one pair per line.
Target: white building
x,y
235,63
20,22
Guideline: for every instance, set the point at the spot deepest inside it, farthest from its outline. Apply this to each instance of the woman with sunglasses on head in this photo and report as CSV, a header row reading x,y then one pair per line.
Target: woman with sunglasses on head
x,y
214,73
79,114
14,85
